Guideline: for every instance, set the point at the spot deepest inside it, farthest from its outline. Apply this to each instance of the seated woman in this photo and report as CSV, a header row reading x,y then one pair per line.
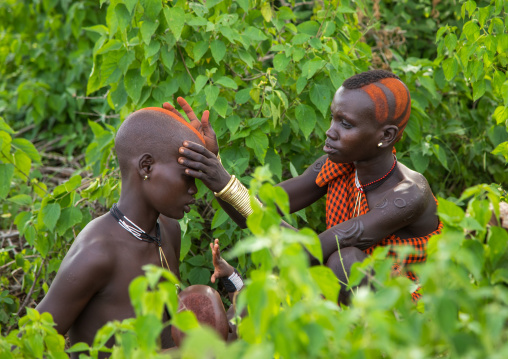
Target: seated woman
x,y
372,200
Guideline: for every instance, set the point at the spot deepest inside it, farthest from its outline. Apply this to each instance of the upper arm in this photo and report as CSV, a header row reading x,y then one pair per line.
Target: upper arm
x,y
397,209
303,190
84,271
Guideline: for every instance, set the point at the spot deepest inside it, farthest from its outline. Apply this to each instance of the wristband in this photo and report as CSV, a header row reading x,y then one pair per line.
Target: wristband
x,y
233,283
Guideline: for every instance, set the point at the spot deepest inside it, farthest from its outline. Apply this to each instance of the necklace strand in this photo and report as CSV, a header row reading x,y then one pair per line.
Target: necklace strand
x,y
377,183
140,234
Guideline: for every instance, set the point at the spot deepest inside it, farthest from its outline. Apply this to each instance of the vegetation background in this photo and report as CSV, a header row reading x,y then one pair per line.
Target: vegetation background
x,y
267,70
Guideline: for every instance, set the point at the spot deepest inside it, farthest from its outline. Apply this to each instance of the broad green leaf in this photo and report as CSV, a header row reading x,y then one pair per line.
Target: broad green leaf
x,y
168,57
441,155
218,50
200,49
450,42
147,30
5,127
134,82
211,92
450,68
69,217
200,83
309,27
130,4
242,96
266,11
199,275
327,282
306,118
49,215
148,328
175,17
258,141
449,211
23,164
227,82
221,106
151,8
28,148
502,149
185,320
280,62
321,97
21,199
478,89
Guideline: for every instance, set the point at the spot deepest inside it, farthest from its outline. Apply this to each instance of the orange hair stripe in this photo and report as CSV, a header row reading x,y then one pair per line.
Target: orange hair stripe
x,y
174,116
400,93
377,96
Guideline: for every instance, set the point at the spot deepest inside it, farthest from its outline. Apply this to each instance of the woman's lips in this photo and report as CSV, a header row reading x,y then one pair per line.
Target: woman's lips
x,y
329,149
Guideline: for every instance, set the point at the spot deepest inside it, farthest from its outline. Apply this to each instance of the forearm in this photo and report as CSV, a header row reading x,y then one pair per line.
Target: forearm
x,y
240,220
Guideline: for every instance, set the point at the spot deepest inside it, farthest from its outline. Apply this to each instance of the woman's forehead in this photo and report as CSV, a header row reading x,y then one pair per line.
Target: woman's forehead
x,y
352,101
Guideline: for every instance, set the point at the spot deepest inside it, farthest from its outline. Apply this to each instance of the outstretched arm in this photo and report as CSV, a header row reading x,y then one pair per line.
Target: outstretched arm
x,y
222,269
203,165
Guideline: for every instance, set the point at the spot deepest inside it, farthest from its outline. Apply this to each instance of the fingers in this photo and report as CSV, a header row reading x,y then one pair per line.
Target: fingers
x,y
196,148
187,109
169,107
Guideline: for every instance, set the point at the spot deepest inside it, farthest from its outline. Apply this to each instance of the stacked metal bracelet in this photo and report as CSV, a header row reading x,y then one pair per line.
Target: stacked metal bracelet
x,y
233,283
236,195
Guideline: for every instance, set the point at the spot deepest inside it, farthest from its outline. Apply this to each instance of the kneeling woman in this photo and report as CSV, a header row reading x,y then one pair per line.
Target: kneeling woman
x,y
372,200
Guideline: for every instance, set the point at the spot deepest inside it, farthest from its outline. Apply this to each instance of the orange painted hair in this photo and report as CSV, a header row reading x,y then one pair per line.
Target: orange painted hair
x,y
175,117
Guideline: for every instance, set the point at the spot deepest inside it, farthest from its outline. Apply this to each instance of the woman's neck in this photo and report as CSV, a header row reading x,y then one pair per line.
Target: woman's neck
x,y
374,168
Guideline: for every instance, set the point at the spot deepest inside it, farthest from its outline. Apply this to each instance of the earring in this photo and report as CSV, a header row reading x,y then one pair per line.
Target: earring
x,y
146,177
380,144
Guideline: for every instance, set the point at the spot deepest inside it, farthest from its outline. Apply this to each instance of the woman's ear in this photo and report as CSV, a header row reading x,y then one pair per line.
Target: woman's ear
x,y
145,165
390,133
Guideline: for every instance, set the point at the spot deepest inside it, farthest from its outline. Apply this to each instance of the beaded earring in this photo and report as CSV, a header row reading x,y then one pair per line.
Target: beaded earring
x,y
380,144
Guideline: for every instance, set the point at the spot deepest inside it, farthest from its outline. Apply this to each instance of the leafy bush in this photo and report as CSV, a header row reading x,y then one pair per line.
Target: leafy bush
x,y
268,74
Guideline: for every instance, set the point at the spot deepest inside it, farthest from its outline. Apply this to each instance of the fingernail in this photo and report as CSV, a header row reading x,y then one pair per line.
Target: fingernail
x,y
180,160
186,143
181,149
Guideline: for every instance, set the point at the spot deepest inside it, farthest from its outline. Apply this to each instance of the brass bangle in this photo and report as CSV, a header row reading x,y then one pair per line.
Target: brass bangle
x,y
226,188
218,157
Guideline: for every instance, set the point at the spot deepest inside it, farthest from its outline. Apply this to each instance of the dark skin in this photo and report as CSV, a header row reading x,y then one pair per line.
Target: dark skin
x,y
91,287
403,205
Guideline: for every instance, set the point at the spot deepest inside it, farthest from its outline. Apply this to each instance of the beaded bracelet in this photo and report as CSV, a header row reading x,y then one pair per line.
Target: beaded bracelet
x,y
233,283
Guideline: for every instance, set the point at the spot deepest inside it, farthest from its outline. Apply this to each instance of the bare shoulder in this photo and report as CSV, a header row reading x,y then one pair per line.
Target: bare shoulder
x,y
94,248
412,195
316,167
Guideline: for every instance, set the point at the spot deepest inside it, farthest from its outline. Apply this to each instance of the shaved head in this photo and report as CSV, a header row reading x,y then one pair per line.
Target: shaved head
x,y
152,130
391,98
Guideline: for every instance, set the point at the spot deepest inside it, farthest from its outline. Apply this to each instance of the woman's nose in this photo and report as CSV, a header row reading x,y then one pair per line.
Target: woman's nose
x,y
332,133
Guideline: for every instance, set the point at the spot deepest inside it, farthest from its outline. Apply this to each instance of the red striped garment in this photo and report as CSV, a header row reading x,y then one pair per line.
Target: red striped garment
x,y
340,205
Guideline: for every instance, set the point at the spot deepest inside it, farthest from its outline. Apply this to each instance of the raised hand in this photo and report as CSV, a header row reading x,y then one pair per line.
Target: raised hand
x,y
221,267
203,165
202,126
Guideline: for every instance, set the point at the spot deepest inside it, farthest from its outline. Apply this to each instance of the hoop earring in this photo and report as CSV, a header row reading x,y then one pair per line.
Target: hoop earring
x,y
380,144
146,177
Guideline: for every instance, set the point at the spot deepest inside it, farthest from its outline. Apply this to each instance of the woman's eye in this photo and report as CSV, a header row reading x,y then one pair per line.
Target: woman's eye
x,y
345,124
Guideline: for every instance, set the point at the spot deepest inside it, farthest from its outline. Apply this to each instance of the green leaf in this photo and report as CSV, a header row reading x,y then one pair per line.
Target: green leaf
x,y
6,174
218,50
441,155
451,42
212,93
69,217
134,82
478,89
175,16
321,97
227,82
28,148
201,81
152,8
199,275
242,96
266,11
49,215
5,127
200,48
306,118
450,68
309,27
130,4
258,141
501,149
449,211
221,106
21,199
185,320
168,57
327,282
147,30
280,62
420,161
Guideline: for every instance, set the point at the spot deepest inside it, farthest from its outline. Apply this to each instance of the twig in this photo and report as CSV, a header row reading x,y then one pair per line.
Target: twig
x,y
342,263
65,171
25,302
9,235
96,114
25,129
14,261
184,64
91,97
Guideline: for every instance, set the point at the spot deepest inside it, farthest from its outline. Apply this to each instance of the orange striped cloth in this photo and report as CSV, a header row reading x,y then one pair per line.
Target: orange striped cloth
x,y
340,205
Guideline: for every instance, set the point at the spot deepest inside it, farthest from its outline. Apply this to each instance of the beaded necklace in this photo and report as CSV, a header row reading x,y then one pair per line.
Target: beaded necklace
x,y
369,186
137,232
